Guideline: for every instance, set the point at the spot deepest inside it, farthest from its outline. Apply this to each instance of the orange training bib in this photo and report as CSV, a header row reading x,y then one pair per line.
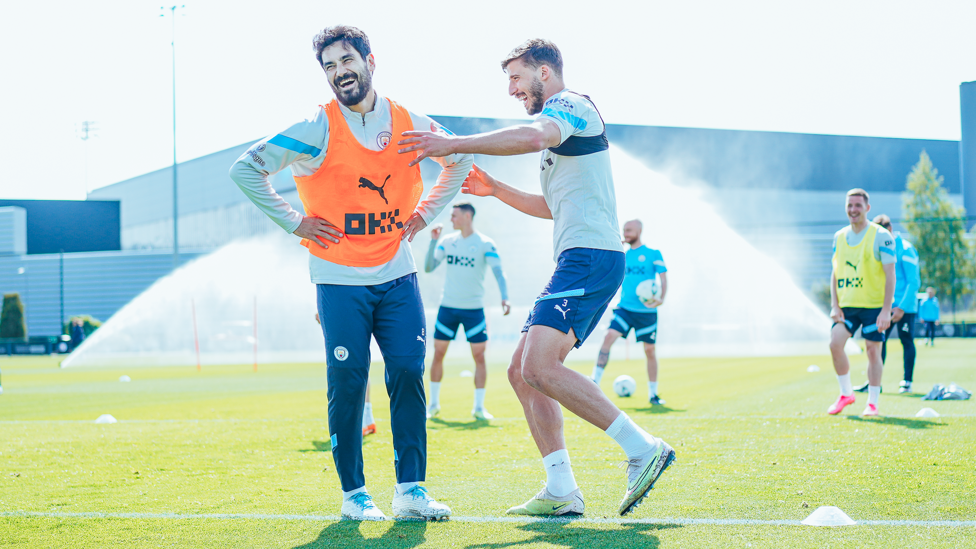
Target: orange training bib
x,y
368,194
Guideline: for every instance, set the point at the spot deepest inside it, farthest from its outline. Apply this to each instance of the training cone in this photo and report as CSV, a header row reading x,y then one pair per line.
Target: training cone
x,y
106,418
125,379
828,516
813,368
466,373
927,412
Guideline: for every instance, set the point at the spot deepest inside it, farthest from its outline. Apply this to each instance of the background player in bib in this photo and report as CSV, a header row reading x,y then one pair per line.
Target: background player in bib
x,y
577,194
907,282
861,291
468,252
361,200
633,313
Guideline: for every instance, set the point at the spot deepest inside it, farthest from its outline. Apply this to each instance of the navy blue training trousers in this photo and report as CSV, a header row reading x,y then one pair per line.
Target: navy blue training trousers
x,y
393,313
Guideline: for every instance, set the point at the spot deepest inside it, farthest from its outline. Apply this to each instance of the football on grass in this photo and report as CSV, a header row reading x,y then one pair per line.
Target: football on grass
x,y
624,386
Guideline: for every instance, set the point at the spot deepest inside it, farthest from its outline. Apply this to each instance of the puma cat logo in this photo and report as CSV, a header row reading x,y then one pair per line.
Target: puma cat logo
x,y
367,184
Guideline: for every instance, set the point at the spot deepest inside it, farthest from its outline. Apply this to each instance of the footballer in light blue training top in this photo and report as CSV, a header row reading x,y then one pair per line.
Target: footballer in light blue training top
x,y
633,313
467,252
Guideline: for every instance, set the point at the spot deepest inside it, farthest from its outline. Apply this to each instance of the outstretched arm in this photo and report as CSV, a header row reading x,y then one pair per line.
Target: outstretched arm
x,y
527,138
481,183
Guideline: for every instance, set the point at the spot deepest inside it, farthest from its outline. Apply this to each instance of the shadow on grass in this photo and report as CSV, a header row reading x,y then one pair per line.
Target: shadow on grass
x,y
346,533
899,421
660,409
463,425
325,446
566,535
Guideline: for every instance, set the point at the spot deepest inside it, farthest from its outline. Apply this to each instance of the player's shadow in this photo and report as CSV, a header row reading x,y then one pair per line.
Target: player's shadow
x,y
463,425
660,409
567,534
900,421
325,446
346,533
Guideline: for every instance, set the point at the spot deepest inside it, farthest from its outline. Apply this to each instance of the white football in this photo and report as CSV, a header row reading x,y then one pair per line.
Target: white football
x,y
624,386
649,290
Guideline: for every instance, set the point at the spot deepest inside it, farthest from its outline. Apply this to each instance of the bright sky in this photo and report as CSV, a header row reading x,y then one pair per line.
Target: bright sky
x,y
245,69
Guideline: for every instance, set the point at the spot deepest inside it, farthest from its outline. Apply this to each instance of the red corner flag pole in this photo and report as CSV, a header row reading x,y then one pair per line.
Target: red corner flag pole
x,y
255,333
196,339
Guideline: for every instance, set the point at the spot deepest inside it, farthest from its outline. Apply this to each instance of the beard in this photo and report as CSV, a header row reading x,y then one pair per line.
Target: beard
x,y
630,240
356,94
535,97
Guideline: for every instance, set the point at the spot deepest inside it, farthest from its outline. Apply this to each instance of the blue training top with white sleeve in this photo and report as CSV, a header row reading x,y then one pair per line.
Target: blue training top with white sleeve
x,y
642,263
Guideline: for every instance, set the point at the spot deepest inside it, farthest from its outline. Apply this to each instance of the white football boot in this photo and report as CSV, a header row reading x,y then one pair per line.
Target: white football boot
x,y
481,414
416,503
361,507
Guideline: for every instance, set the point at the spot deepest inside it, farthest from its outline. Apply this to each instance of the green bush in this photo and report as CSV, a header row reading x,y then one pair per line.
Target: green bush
x,y
91,324
12,322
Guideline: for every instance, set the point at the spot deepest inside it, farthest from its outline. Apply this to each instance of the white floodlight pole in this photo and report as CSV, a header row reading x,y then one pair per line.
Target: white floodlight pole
x,y
176,211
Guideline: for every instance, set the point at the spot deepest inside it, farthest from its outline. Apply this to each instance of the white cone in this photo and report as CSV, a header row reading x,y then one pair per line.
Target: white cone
x,y
813,368
828,516
927,412
125,379
466,373
106,418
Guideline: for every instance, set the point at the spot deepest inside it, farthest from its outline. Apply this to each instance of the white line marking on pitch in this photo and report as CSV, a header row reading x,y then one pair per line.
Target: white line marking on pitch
x,y
556,520
452,420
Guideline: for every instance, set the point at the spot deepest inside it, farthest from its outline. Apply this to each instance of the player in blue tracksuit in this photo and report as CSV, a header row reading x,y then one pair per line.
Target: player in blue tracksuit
x,y
903,310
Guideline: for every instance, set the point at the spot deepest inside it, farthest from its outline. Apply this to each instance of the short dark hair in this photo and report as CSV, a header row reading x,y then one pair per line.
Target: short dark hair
x,y
883,220
350,36
466,206
860,192
536,52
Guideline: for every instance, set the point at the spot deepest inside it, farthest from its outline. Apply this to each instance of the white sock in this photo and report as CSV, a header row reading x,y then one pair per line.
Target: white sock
x,y
404,487
559,474
351,493
479,399
873,394
435,394
368,414
846,388
597,373
651,388
634,440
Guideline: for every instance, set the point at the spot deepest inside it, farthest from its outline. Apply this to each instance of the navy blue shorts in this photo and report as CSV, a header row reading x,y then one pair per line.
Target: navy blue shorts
x,y
579,291
865,319
449,319
643,324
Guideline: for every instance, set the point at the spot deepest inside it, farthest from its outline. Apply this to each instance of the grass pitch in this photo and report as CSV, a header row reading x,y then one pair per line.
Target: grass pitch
x,y
751,434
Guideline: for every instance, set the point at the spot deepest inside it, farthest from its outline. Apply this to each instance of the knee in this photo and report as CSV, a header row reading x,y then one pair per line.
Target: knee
x,y
409,366
515,373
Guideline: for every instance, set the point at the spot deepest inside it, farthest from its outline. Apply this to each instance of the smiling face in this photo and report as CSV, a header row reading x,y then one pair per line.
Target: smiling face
x,y
525,84
857,209
350,76
632,232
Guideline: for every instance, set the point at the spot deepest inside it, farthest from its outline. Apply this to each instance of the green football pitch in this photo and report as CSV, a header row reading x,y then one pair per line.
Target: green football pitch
x,y
228,457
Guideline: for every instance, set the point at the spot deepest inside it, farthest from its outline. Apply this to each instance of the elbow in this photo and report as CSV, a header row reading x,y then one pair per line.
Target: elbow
x,y
538,142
